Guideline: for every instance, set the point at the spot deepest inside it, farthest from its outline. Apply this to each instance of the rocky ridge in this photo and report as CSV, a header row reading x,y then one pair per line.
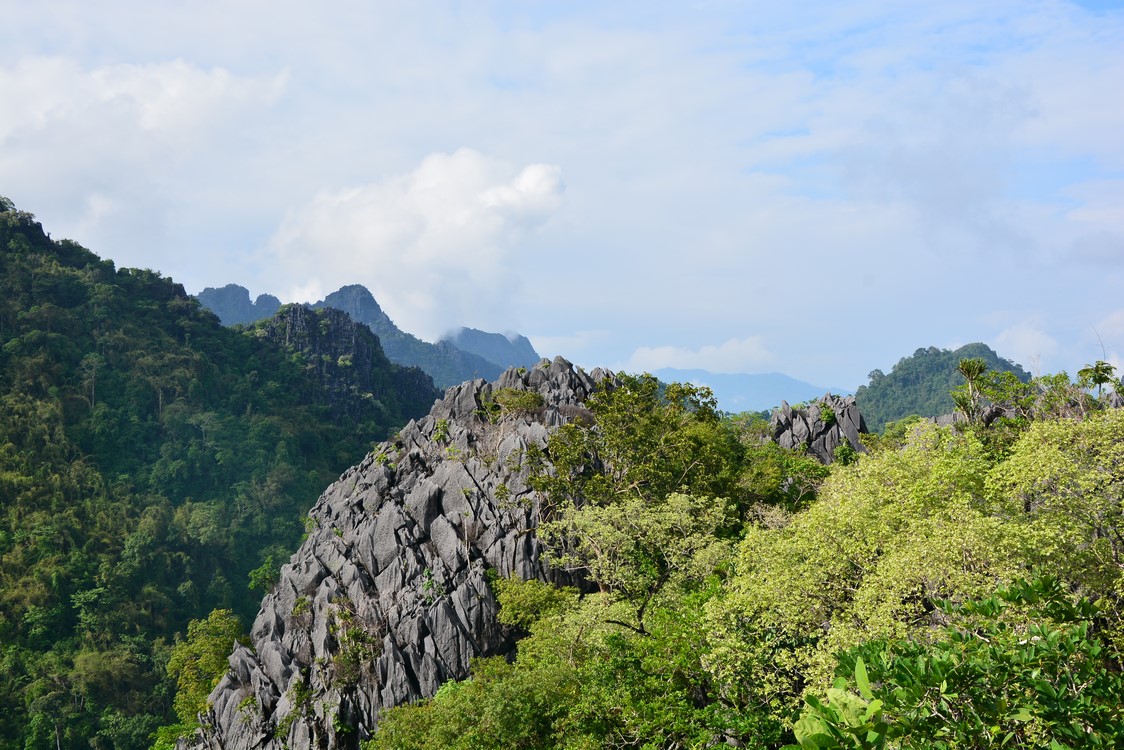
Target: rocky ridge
x,y
447,364
388,597
820,427
233,306
348,362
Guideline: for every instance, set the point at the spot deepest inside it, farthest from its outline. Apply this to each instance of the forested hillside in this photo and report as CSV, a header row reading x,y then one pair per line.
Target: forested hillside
x,y
153,466
446,361
920,384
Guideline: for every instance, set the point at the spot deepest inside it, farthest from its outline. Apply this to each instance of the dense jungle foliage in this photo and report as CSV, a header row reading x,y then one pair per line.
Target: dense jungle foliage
x,y
952,588
153,465
920,384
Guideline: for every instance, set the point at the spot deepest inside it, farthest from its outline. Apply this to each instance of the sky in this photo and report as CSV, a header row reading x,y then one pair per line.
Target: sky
x,y
812,188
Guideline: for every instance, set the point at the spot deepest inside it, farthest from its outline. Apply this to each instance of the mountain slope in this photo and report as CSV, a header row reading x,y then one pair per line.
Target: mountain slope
x,y
233,306
443,361
920,384
151,461
346,360
513,351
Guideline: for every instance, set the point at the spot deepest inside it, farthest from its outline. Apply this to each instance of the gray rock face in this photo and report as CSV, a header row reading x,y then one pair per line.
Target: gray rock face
x,y
387,598
819,428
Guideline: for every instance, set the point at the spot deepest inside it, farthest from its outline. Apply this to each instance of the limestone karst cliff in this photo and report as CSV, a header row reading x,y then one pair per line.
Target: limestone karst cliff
x,y
387,598
347,361
820,427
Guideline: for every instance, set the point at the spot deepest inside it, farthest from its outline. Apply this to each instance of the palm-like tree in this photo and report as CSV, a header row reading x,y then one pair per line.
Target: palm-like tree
x,y
1100,373
972,370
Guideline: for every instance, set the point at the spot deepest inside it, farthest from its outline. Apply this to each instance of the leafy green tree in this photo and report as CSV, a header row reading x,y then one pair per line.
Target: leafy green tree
x,y
1022,668
197,663
972,370
1098,374
1063,479
886,538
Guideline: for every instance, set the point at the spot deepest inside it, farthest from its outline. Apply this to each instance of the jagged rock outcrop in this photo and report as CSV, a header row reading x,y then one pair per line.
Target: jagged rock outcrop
x,y
820,427
388,598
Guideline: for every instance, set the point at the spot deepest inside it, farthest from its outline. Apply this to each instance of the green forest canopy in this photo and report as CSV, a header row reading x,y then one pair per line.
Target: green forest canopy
x,y
152,463
920,384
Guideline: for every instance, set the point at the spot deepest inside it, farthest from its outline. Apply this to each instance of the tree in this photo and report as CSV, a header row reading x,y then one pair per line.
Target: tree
x,y
197,663
1025,667
886,538
972,370
1065,480
1098,374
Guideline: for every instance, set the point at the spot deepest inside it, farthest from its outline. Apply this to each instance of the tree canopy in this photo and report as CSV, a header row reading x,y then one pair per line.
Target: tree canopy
x,y
902,603
921,384
150,460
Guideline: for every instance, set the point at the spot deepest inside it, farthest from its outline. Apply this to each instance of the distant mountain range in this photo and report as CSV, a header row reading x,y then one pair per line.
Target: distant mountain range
x,y
463,355
468,353
745,392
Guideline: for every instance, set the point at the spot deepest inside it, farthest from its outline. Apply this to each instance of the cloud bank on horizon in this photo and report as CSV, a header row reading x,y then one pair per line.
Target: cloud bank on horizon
x,y
734,186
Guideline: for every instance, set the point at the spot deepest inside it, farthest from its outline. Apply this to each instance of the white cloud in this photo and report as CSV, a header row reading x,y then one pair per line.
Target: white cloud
x,y
734,356
172,101
438,247
1027,344
1112,326
113,155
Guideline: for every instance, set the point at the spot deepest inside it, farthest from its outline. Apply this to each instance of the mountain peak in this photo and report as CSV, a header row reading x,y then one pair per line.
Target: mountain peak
x,y
505,350
233,306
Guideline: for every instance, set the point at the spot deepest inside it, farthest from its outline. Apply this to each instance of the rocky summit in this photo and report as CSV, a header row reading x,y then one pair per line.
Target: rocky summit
x,y
388,598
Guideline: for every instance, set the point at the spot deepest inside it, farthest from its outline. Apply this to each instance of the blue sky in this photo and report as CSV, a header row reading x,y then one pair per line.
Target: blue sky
x,y
812,188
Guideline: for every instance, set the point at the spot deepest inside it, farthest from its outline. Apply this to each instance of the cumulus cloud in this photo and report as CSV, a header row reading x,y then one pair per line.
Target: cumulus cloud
x,y
438,247
734,356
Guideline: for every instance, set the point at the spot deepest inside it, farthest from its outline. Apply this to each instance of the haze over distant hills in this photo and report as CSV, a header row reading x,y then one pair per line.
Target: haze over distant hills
x,y
749,392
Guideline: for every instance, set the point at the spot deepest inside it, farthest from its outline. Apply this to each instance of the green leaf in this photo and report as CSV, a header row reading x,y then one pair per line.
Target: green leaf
x,y
861,679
